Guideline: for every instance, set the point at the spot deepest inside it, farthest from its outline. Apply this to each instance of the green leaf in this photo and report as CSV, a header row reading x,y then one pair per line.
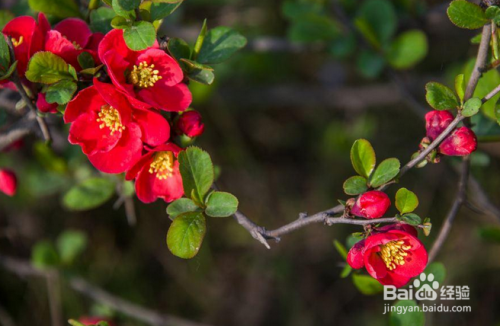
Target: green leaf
x,y
221,204
346,271
377,21
355,185
10,71
70,244
100,19
386,171
197,172
340,249
44,255
89,194
195,65
343,46
120,22
493,13
369,63
471,107
465,14
410,218
140,35
61,92
160,10
86,60
490,233
438,270
91,71
178,48
120,11
440,97
47,68
220,44
363,157
129,4
407,49
186,233
427,226
460,86
73,322
57,8
367,284
202,76
180,206
199,40
314,28
412,317
4,55
46,157
406,201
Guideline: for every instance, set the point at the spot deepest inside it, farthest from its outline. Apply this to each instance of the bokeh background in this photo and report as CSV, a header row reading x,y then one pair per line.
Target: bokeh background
x,y
280,121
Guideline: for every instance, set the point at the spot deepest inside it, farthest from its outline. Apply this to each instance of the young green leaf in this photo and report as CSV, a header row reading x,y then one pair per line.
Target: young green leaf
x,y
100,19
465,14
199,40
57,8
346,271
221,204
386,171
370,63
120,22
202,76
377,21
180,206
407,49
89,194
440,97
44,255
129,4
197,172
61,92
85,60
460,86
367,284
340,249
363,157
160,10
410,218
355,185
178,48
140,35
220,44
413,316
47,68
70,244
493,13
186,233
406,201
471,107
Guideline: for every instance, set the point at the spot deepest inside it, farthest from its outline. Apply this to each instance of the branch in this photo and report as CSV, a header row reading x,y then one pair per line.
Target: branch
x,y
19,130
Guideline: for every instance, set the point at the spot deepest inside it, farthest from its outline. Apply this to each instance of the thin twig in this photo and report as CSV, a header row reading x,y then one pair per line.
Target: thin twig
x,y
19,130
54,296
480,64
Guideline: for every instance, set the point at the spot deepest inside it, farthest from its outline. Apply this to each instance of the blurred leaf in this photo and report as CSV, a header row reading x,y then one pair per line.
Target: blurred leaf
x,y
57,8
178,48
438,270
387,170
220,44
186,233
406,201
313,28
488,81
89,194
61,92
465,14
346,271
490,233
73,322
367,284
340,249
343,45
370,64
440,97
296,10
5,17
355,185
180,206
460,86
44,255
129,4
471,107
48,159
100,19
200,39
47,68
140,35
410,218
202,76
197,172
70,244
407,49
363,157
412,317
353,239
376,20
221,204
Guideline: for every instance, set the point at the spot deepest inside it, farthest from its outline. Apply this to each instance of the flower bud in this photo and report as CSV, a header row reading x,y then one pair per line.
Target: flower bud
x,y
44,106
461,142
371,204
190,124
436,122
8,182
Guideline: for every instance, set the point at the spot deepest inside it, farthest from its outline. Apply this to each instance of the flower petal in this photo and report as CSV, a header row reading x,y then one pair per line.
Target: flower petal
x,y
75,30
167,67
355,257
87,100
155,128
374,264
169,98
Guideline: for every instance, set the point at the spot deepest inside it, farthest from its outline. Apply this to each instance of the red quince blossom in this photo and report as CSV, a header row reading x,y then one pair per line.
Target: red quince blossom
x,y
461,142
391,254
157,174
371,204
27,37
70,38
8,182
190,124
45,107
436,122
149,77
110,130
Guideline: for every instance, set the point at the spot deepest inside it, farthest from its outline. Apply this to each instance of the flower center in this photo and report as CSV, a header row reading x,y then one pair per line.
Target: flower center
x,y
110,117
18,42
393,254
76,45
144,75
162,165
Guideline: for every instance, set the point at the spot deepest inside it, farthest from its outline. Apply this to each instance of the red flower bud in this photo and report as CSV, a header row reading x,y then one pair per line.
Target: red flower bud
x,y
391,254
371,204
44,106
436,122
190,124
461,142
8,182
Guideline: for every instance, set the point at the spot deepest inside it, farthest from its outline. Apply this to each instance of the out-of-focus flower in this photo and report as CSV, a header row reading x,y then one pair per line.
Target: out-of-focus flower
x,y
8,182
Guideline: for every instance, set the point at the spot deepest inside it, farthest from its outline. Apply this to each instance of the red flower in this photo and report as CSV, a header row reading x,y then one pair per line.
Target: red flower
x,y
45,107
8,182
157,174
436,122
371,204
149,77
90,320
391,254
461,142
27,36
70,38
190,124
109,130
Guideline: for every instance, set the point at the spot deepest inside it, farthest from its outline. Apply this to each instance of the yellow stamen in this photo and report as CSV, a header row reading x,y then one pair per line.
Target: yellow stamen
x,y
162,165
110,117
144,75
393,254
76,45
18,42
